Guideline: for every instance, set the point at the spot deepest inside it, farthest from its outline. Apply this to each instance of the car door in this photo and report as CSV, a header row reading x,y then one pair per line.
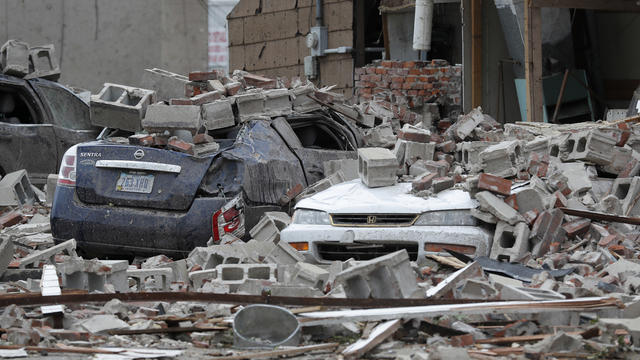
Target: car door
x,y
316,139
26,141
68,114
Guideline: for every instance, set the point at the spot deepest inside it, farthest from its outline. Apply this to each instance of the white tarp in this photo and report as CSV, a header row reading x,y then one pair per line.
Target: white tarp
x,y
353,197
218,33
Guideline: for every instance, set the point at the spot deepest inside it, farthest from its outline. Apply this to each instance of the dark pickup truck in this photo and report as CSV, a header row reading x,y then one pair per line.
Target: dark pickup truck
x,y
121,200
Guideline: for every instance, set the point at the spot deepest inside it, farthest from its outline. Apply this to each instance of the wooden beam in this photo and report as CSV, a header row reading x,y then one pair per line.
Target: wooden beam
x,y
476,53
603,5
533,61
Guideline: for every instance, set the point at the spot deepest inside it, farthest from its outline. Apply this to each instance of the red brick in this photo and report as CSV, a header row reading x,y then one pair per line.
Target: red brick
x,y
179,145
160,140
462,340
202,139
577,227
193,88
414,136
203,75
290,195
415,72
370,70
494,184
608,240
561,200
423,183
531,216
409,64
381,70
447,146
260,81
141,139
70,335
512,201
386,64
233,88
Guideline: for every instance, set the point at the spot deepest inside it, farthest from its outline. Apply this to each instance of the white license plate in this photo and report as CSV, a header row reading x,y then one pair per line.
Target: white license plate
x,y
135,183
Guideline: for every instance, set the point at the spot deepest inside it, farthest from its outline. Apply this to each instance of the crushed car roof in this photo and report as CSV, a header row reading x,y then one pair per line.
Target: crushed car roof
x,y
354,197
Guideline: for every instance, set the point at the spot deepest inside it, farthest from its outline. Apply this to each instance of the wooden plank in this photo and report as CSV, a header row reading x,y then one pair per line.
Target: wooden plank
x,y
604,5
476,53
533,61
419,312
385,37
278,353
377,336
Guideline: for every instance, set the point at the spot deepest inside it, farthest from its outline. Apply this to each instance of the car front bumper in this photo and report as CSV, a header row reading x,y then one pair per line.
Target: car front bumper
x,y
325,240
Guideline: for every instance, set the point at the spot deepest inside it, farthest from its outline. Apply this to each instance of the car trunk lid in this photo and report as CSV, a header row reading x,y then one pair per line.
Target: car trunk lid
x,y
142,177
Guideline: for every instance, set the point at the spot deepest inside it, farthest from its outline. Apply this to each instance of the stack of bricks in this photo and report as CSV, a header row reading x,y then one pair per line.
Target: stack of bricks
x,y
410,83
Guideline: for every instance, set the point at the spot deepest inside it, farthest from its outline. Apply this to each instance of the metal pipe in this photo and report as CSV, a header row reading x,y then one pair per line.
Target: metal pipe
x,y
422,25
319,13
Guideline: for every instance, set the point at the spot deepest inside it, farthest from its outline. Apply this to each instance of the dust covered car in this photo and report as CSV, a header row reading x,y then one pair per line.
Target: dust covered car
x,y
39,121
116,199
351,220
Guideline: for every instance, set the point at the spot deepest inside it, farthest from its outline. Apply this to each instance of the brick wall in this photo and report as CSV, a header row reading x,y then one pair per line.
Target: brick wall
x,y
410,84
268,38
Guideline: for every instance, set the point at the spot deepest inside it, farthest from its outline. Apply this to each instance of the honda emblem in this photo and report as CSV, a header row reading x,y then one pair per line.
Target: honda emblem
x,y
371,219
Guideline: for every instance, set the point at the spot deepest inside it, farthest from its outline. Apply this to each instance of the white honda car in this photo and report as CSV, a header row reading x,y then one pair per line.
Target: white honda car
x,y
350,220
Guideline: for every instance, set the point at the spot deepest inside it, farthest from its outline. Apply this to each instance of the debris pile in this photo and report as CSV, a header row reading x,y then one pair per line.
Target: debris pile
x,y
558,280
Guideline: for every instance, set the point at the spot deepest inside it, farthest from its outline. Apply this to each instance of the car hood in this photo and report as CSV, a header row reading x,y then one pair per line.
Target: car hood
x,y
353,197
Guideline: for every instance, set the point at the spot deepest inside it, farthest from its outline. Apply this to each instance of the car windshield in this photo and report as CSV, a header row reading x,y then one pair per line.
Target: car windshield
x,y
68,110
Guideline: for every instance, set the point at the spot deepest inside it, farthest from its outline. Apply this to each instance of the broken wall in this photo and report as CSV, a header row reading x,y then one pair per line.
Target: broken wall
x,y
111,39
268,38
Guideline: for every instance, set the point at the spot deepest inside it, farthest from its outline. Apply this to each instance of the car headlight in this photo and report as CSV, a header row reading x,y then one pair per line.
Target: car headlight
x,y
447,217
311,217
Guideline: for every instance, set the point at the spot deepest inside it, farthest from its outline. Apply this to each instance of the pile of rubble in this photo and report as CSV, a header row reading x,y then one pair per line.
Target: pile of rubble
x,y
180,110
560,279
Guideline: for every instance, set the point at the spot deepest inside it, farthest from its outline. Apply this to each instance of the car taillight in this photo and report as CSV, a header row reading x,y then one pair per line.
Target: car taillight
x,y
67,174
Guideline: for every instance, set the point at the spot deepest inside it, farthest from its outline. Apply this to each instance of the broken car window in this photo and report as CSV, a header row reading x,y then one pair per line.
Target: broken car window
x,y
67,110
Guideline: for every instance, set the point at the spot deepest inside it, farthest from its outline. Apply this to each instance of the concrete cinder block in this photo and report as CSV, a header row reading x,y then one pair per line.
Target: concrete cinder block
x,y
120,107
14,58
503,159
15,189
468,153
309,275
6,254
166,84
466,123
92,275
510,243
475,289
270,225
43,63
162,117
593,146
36,257
250,105
626,191
498,208
519,293
301,101
198,277
282,253
385,277
160,278
333,179
277,102
235,274
348,167
218,114
52,183
377,167
546,229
